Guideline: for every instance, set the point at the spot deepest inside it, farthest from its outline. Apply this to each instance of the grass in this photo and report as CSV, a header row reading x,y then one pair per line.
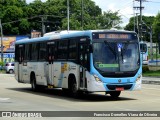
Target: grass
x,y
2,71
152,73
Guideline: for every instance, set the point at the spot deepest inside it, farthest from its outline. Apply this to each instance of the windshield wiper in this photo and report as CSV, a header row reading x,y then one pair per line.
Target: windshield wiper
x,y
125,47
112,50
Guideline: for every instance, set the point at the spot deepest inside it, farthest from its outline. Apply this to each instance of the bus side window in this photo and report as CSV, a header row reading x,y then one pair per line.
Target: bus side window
x,y
21,53
51,50
42,51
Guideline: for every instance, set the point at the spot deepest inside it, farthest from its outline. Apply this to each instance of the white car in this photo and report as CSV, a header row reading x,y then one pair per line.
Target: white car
x,y
9,67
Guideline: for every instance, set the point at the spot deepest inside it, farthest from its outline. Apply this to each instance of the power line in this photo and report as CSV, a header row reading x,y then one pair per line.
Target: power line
x,y
19,20
126,4
153,2
38,16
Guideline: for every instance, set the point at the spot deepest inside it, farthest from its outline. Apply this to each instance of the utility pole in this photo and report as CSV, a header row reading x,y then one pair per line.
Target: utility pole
x,y
43,26
151,45
134,17
140,20
1,41
140,23
68,13
82,15
137,24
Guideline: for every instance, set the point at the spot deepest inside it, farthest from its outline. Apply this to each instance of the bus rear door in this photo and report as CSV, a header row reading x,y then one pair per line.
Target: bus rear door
x,y
51,51
20,53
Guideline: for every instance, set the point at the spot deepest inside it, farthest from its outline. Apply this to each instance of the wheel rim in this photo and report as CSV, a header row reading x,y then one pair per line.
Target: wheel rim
x,y
10,71
74,88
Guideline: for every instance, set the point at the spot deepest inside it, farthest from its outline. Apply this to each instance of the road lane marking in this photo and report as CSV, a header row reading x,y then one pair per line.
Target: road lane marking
x,y
126,109
3,99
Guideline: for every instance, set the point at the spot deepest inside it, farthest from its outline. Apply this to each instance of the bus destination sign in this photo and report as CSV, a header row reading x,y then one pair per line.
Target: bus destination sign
x,y
114,36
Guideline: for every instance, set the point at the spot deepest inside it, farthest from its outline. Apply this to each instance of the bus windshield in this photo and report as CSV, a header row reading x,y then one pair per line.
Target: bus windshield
x,y
116,57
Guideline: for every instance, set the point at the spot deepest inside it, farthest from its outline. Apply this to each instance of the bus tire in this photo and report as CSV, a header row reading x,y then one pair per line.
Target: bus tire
x,y
73,86
115,94
65,90
11,71
34,85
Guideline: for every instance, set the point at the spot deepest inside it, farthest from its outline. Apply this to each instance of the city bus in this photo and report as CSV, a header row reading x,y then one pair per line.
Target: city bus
x,y
144,52
81,61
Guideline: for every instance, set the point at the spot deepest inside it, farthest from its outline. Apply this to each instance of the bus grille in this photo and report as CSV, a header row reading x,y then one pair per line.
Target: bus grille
x,y
113,87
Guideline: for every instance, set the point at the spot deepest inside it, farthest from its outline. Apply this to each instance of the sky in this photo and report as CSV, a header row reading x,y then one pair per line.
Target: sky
x,y
125,7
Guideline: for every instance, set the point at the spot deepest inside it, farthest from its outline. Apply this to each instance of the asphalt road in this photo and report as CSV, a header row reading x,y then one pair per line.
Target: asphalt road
x,y
16,96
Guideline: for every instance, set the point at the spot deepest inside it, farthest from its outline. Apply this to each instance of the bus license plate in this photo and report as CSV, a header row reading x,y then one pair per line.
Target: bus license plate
x,y
119,88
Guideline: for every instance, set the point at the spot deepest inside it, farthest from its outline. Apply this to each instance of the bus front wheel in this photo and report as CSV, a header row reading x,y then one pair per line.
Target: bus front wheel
x,y
115,94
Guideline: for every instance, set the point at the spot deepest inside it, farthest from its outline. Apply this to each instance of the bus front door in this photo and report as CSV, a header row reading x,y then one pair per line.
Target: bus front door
x,y
51,49
84,61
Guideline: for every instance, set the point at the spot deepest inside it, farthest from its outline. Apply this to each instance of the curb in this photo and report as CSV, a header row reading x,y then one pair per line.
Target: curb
x,y
151,81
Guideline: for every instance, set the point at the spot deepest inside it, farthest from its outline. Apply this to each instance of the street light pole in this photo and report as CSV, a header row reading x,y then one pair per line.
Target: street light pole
x,y
1,41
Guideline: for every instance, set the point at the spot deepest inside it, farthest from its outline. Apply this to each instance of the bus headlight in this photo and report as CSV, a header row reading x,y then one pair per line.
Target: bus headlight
x,y
97,78
138,78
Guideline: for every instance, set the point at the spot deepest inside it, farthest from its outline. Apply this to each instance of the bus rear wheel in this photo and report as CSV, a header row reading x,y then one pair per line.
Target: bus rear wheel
x,y
73,86
115,94
34,86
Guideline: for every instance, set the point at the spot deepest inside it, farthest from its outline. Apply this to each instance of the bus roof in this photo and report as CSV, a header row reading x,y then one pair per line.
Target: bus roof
x,y
65,34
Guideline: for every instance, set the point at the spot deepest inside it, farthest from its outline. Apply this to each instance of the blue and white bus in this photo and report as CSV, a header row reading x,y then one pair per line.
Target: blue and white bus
x,y
81,61
144,52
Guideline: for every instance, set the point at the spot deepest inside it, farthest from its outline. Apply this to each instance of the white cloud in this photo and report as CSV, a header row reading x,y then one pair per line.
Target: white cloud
x,y
125,12
111,7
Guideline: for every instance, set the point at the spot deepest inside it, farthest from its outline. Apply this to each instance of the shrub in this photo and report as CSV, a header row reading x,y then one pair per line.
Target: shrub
x,y
145,68
1,63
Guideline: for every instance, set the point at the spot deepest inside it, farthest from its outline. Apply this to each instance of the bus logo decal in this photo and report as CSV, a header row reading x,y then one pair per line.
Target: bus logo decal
x,y
120,46
119,80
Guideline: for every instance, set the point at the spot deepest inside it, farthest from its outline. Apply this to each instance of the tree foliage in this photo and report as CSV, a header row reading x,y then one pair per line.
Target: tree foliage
x,y
19,18
156,27
134,24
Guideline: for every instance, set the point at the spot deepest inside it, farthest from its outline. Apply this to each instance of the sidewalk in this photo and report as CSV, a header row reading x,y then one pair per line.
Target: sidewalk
x,y
151,80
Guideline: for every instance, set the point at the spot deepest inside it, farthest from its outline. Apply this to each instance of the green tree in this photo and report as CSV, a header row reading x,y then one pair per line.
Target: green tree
x,y
20,17
83,19
156,27
108,20
146,24
11,10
